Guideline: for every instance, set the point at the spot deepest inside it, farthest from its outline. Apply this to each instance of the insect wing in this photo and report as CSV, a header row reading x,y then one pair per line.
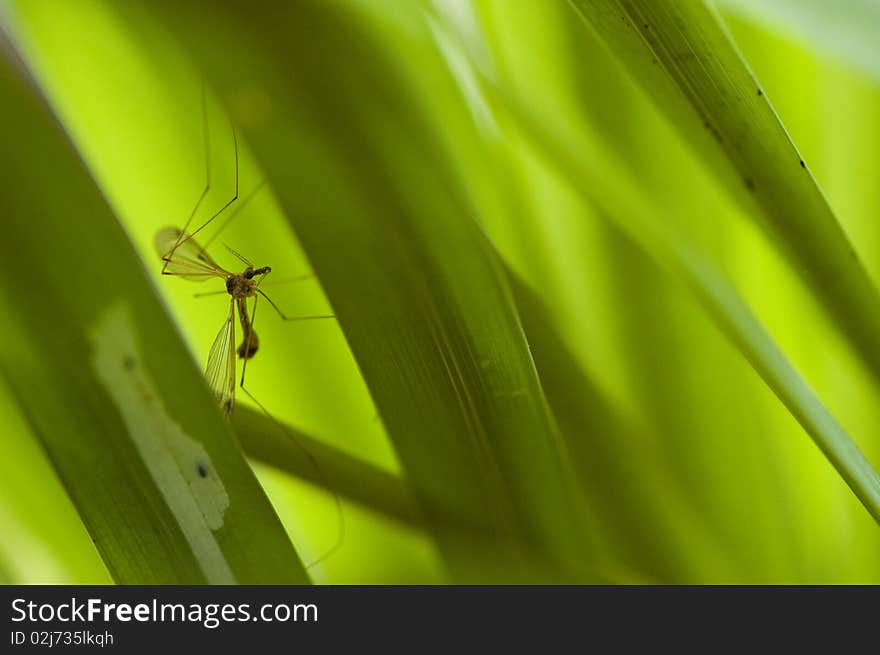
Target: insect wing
x,y
221,364
185,257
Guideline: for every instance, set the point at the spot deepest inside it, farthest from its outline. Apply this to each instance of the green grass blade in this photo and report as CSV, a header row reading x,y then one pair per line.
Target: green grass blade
x,y
107,383
609,188
43,539
683,56
295,452
634,498
385,493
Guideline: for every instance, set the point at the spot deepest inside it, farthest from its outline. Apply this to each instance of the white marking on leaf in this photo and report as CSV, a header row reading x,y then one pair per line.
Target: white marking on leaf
x,y
178,464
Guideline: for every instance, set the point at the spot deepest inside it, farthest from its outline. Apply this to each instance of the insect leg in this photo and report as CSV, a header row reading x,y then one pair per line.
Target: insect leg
x,y
249,330
228,202
288,280
209,293
234,213
182,236
285,317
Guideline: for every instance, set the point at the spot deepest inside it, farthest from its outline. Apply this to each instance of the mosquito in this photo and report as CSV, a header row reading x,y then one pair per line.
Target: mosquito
x,y
184,257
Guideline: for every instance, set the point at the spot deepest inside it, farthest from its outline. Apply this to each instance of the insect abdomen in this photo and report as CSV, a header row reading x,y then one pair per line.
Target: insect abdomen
x,y
249,345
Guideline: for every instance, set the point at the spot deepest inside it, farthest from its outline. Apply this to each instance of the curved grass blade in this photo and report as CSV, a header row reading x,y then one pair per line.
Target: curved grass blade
x,y
388,494
682,55
106,382
289,450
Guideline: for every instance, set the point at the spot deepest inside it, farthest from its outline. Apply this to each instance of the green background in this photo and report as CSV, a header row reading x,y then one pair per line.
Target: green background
x,y
594,317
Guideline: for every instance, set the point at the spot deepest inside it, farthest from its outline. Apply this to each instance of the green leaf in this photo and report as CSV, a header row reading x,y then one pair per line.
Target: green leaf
x,y
295,452
681,54
105,381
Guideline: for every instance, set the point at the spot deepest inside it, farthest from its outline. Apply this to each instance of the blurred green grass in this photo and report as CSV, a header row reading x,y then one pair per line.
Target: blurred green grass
x,y
401,183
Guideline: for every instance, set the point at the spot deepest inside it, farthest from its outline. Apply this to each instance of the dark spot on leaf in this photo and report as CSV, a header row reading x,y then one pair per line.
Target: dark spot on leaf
x,y
128,362
645,26
803,165
750,184
760,93
202,469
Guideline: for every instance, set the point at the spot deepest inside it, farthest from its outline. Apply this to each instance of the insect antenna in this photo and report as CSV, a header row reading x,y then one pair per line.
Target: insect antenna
x,y
244,260
285,317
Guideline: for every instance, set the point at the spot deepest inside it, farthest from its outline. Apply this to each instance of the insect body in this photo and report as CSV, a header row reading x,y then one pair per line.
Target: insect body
x,y
184,257
242,286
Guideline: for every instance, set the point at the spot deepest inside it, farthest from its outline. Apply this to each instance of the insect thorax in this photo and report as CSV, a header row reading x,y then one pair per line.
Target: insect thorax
x,y
239,286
